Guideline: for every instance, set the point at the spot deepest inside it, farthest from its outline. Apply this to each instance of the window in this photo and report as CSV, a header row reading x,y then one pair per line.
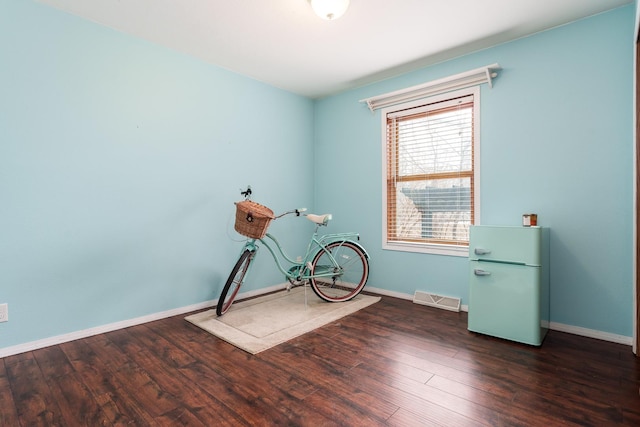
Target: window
x,y
430,181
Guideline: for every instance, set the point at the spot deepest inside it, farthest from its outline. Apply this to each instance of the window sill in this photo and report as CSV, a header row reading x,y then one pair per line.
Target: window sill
x,y
427,248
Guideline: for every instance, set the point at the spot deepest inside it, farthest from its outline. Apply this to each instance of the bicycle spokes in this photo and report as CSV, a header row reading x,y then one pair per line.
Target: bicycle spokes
x,y
340,271
232,286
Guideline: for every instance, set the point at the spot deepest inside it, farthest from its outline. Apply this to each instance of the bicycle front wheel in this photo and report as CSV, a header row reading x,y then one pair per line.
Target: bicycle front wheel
x,y
234,282
340,271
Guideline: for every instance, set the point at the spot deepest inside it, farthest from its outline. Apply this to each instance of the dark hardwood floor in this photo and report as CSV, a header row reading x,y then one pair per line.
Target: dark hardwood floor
x,y
393,363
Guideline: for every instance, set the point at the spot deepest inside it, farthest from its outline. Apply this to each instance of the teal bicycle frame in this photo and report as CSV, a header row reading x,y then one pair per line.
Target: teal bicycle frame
x,y
301,268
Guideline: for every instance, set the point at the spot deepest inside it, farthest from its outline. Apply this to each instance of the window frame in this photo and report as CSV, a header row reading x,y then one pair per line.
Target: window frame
x,y
430,247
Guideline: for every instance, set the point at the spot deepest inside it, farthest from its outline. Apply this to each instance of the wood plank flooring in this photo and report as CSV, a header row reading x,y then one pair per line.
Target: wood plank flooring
x,y
394,363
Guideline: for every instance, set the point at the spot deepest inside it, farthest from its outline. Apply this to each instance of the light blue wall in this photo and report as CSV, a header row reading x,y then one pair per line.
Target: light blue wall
x,y
120,160
119,164
556,139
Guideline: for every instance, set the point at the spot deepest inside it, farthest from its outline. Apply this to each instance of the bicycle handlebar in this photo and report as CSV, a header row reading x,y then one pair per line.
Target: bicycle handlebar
x,y
298,212
246,193
318,219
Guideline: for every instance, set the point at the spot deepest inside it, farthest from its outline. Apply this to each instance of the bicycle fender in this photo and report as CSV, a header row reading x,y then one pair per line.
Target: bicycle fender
x,y
359,246
352,242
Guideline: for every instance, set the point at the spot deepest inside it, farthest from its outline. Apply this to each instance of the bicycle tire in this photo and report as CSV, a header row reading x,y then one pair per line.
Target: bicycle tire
x,y
351,275
231,288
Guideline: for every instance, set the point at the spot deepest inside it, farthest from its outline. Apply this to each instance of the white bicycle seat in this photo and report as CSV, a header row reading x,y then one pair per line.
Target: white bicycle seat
x,y
319,219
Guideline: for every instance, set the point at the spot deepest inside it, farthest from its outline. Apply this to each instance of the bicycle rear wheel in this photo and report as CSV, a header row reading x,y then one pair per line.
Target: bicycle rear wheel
x,y
344,268
234,282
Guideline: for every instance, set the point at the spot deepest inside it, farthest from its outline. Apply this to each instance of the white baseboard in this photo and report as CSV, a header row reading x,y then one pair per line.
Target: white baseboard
x,y
591,333
400,295
85,333
59,339
575,330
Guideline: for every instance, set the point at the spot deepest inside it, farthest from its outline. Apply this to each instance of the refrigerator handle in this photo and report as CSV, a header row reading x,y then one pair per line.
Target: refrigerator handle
x,y
480,251
480,272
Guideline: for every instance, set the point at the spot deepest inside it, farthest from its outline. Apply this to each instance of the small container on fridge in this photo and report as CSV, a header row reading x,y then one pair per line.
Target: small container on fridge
x,y
530,220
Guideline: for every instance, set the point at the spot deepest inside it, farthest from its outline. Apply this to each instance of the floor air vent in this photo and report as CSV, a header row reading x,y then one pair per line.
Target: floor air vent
x,y
433,300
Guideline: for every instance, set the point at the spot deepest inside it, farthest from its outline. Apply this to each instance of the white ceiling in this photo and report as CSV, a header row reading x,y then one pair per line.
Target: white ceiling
x,y
282,42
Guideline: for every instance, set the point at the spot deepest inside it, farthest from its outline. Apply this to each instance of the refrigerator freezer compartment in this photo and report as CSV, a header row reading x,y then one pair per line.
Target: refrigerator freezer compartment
x,y
519,245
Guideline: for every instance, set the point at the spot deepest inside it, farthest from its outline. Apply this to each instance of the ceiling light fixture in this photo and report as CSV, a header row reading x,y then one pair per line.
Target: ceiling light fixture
x,y
329,9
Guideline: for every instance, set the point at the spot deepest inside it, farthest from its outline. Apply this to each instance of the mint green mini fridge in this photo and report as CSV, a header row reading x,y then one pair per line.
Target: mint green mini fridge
x,y
509,282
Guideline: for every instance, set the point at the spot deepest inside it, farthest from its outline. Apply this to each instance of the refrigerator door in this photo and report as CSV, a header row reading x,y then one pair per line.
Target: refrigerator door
x,y
504,301
506,244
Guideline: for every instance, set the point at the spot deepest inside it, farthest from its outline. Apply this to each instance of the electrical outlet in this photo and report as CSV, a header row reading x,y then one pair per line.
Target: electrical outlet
x,y
4,312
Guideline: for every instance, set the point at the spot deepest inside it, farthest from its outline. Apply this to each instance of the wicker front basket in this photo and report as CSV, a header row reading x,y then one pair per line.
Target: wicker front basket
x,y
252,219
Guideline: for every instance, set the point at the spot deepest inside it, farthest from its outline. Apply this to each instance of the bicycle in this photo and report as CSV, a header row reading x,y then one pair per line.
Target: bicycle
x,y
335,265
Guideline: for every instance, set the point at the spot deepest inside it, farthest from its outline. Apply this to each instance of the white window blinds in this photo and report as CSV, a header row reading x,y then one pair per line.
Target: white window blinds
x,y
430,172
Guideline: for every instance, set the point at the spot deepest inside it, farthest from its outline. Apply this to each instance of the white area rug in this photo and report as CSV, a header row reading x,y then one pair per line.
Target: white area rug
x,y
261,323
